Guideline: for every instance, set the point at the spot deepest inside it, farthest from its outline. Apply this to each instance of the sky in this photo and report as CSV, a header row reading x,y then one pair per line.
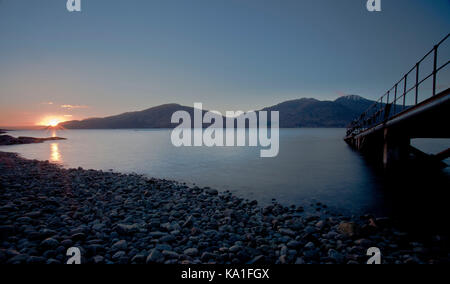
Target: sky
x,y
126,55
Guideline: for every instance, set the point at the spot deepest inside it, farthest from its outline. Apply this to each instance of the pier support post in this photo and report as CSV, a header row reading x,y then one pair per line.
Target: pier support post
x,y
396,148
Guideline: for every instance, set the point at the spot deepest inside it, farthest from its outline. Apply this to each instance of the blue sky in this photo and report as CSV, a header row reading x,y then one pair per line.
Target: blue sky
x,y
124,55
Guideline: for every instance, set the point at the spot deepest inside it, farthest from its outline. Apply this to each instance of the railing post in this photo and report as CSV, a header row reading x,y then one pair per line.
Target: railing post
x,y
395,99
434,69
404,92
417,83
386,108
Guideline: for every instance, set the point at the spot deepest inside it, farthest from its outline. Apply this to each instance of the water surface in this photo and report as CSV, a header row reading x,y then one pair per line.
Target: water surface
x,y
312,165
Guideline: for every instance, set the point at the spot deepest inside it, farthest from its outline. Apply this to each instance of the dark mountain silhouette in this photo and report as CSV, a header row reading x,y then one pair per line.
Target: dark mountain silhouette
x,y
315,113
293,114
155,117
355,103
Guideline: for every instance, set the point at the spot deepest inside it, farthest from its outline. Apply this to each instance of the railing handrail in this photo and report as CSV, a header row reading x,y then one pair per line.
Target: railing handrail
x,y
358,124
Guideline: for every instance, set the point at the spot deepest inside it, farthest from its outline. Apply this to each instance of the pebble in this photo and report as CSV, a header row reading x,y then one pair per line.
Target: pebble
x,y
120,245
49,243
155,256
191,251
336,256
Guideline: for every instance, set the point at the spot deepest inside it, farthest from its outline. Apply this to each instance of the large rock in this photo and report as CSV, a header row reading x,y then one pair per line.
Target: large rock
x,y
349,229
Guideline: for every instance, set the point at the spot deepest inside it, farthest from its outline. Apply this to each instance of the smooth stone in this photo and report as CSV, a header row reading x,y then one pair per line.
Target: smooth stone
x,y
53,261
78,237
157,235
119,255
18,259
120,245
235,249
49,243
98,259
206,256
170,254
336,256
348,228
167,239
155,256
293,244
36,260
124,229
189,222
191,251
139,258
257,260
162,247
287,232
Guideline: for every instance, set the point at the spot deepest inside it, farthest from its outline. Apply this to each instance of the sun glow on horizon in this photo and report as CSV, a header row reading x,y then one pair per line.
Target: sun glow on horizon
x,y
51,121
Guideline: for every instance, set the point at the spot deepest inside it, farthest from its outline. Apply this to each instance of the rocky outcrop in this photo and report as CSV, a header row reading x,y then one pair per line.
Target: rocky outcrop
x,y
9,140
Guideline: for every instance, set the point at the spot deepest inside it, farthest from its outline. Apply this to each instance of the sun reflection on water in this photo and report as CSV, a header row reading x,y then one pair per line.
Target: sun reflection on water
x,y
55,154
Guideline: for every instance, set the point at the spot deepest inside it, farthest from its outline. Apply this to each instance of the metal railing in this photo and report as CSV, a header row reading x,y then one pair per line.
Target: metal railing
x,y
388,105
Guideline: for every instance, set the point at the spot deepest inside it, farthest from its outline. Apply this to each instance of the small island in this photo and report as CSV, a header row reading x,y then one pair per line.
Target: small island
x,y
10,140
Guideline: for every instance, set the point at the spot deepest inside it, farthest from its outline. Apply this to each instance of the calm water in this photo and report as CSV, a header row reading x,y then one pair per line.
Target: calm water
x,y
313,165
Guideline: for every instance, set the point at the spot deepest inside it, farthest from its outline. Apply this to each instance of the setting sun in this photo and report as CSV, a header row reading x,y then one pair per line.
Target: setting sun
x,y
51,121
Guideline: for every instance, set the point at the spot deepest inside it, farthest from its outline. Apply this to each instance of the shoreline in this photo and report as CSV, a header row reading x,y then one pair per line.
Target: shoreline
x,y
128,218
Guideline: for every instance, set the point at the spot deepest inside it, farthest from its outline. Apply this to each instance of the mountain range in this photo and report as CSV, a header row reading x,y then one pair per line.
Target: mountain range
x,y
306,112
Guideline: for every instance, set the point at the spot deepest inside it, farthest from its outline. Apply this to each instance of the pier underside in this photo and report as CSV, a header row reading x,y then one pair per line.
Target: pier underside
x,y
390,141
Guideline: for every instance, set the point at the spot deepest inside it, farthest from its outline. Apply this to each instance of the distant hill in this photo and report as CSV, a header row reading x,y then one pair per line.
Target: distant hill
x,y
293,114
315,113
156,117
355,103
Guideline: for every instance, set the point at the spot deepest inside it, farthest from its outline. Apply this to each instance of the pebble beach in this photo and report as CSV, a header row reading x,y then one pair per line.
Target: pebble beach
x,y
46,209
